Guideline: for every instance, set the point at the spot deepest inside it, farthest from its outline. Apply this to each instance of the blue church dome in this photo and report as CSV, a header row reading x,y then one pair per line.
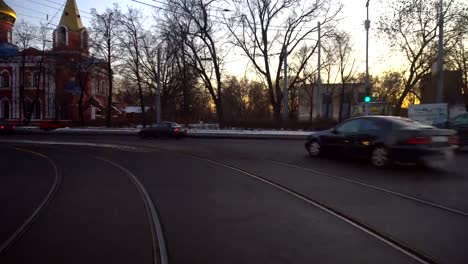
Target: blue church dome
x,y
8,50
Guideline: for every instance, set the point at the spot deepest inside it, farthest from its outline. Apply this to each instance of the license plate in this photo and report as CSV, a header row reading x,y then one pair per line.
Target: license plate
x,y
440,139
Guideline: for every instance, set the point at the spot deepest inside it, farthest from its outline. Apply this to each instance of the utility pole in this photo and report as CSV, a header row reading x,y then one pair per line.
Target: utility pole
x,y
367,26
319,69
285,86
440,58
158,90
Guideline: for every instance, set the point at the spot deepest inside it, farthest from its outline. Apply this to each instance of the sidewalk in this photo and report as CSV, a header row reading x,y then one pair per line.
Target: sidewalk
x,y
196,133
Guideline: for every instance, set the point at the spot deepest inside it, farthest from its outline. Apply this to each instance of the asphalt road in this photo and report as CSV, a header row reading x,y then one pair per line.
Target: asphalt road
x,y
68,199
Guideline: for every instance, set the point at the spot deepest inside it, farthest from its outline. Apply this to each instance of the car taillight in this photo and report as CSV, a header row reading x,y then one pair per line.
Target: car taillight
x,y
13,127
1,127
176,129
453,140
419,141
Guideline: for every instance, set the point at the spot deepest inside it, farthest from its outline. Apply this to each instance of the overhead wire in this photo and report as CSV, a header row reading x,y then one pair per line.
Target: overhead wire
x,y
27,8
35,17
56,13
53,2
215,7
278,28
21,14
42,4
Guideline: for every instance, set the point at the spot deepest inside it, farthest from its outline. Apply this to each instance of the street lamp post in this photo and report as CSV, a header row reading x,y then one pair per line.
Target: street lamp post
x,y
285,85
158,91
319,71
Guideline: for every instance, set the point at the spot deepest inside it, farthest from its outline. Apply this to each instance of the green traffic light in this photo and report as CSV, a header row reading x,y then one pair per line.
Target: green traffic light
x,y
367,99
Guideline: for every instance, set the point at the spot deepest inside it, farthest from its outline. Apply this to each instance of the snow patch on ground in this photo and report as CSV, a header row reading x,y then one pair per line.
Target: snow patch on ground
x,y
249,132
226,133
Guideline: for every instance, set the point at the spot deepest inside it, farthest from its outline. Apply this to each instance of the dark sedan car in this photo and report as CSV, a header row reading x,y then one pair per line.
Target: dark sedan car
x,y
163,129
384,139
460,124
6,128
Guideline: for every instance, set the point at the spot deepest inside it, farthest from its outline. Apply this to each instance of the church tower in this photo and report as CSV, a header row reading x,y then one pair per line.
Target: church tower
x,y
70,35
7,20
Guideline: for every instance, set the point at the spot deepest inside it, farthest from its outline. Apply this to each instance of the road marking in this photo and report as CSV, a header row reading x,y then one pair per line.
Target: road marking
x,y
26,224
399,246
156,227
83,144
375,188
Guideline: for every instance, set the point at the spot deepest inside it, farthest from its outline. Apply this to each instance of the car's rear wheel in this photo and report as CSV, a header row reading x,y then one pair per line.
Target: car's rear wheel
x,y
314,149
142,135
380,157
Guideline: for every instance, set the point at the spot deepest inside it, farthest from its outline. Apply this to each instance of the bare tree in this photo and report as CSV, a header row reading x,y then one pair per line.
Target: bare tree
x,y
268,31
345,64
87,67
43,36
328,62
105,43
457,55
258,103
195,23
388,86
25,35
411,27
131,33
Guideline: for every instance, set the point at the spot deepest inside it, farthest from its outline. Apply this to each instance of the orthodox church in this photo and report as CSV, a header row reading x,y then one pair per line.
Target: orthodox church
x,y
44,85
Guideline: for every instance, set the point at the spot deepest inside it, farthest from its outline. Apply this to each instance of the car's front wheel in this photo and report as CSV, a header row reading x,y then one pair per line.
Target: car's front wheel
x,y
314,149
380,157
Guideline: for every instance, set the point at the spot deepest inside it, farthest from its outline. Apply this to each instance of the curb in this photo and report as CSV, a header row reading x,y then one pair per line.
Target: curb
x,y
197,134
245,136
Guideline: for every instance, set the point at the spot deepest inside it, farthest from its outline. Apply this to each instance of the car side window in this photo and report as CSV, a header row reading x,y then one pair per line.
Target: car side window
x,y
461,120
369,126
349,126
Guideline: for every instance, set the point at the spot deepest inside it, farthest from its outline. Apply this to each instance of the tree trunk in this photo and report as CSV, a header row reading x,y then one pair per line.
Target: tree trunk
x,y
311,108
185,90
277,113
340,114
220,115
109,97
351,99
278,105
399,104
36,97
80,107
142,102
21,88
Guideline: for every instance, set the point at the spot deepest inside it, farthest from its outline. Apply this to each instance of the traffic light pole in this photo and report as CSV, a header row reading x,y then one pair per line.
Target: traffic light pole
x,y
367,25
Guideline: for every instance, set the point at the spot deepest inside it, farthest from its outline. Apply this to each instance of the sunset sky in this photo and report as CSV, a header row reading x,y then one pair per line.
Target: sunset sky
x,y
353,16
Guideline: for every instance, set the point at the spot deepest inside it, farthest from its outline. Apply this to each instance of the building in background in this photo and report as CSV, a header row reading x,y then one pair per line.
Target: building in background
x,y
453,88
330,98
53,91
